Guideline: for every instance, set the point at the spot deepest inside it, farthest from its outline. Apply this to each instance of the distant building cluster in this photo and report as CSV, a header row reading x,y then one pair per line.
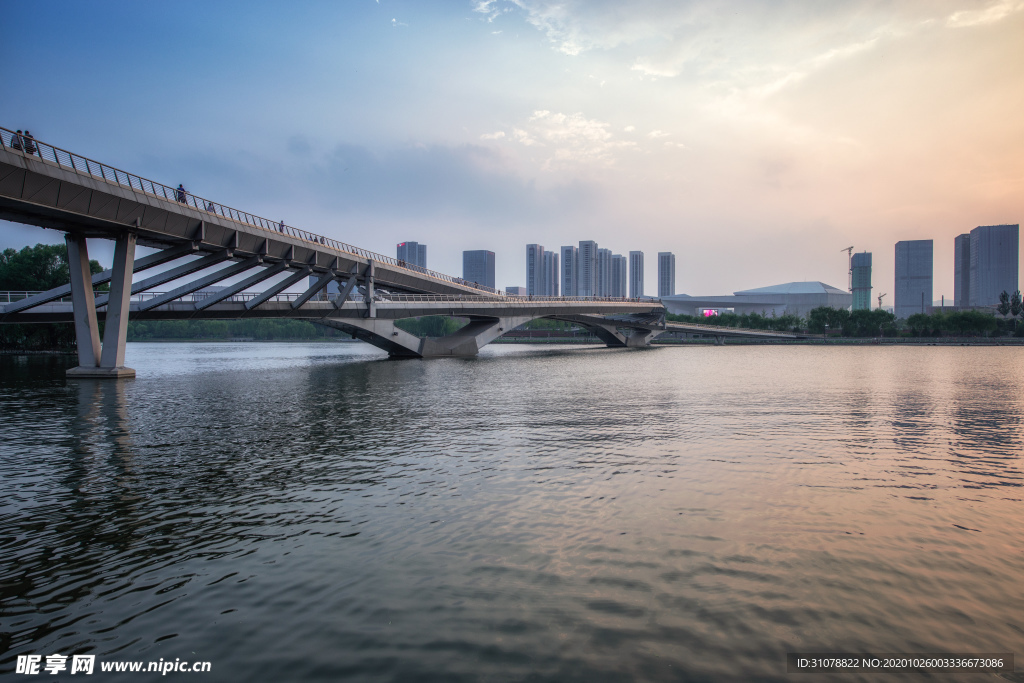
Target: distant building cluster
x,y
587,270
986,265
986,262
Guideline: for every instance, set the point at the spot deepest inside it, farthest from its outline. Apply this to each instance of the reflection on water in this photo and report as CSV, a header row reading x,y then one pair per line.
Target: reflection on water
x,y
315,511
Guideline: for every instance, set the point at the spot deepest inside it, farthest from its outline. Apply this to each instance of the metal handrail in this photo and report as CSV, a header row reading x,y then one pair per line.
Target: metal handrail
x,y
47,153
380,297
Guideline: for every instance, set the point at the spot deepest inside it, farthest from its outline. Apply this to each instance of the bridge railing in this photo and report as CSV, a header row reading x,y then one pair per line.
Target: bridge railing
x,y
380,297
30,147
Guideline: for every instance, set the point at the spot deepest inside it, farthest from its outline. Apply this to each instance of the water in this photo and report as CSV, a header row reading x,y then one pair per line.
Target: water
x,y
317,512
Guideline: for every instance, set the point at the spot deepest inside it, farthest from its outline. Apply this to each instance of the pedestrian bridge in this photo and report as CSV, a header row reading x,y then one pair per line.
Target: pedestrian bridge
x,y
202,242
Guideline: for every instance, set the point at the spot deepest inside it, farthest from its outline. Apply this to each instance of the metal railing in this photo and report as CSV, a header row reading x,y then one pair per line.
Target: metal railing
x,y
30,147
380,297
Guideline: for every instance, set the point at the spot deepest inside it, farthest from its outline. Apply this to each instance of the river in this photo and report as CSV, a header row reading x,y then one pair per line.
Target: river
x,y
316,512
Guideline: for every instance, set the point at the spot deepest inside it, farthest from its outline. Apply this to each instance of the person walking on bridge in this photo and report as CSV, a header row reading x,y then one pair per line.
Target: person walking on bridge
x,y
30,144
16,141
180,193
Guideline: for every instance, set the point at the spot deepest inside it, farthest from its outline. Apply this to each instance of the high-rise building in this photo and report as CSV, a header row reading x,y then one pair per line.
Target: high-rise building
x,y
636,274
550,284
913,277
535,269
586,283
995,263
604,272
478,267
861,281
962,270
413,253
666,273
570,271
515,291
619,267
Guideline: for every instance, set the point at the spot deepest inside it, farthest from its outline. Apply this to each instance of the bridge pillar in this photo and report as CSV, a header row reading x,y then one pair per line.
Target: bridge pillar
x,y
371,306
107,361
83,303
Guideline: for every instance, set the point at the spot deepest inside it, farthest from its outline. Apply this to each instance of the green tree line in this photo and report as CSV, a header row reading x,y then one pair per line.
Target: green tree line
x,y
872,323
33,269
260,329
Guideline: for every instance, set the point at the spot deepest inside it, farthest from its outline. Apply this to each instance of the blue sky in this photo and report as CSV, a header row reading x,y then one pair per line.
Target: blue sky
x,y
754,140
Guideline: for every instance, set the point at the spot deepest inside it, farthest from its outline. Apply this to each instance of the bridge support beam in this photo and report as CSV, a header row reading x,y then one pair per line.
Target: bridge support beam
x,y
92,361
464,343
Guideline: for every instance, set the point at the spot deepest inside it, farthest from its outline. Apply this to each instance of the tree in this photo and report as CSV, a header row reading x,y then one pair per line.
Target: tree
x,y
1016,306
1004,303
822,316
869,323
37,268
32,269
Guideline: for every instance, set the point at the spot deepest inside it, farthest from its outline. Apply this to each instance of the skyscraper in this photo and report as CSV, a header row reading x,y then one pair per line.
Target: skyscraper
x,y
962,270
604,272
586,284
535,269
619,267
995,263
636,274
478,267
913,277
666,273
862,281
570,271
550,284
413,253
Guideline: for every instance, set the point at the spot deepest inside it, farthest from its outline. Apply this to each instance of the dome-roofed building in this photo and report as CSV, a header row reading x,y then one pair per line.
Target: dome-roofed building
x,y
793,298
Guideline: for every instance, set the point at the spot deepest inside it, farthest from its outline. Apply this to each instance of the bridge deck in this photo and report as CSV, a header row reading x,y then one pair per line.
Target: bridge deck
x,y
55,188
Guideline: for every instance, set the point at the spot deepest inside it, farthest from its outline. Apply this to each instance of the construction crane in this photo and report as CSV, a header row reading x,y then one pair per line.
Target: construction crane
x,y
880,299
849,252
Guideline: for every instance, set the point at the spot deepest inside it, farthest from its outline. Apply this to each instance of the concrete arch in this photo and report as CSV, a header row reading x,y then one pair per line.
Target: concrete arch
x,y
464,343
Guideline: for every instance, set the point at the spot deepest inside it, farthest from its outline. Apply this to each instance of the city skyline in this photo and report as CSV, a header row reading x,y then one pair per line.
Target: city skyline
x,y
831,127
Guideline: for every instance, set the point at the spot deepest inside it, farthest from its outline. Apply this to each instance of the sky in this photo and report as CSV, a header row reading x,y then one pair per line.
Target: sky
x,y
755,140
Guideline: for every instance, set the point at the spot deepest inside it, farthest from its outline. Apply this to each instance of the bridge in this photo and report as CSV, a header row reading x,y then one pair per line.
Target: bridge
x,y
204,242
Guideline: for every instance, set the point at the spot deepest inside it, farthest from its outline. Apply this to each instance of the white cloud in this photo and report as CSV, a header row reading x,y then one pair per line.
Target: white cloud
x,y
646,68
629,129
396,23
990,15
571,139
497,135
657,134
